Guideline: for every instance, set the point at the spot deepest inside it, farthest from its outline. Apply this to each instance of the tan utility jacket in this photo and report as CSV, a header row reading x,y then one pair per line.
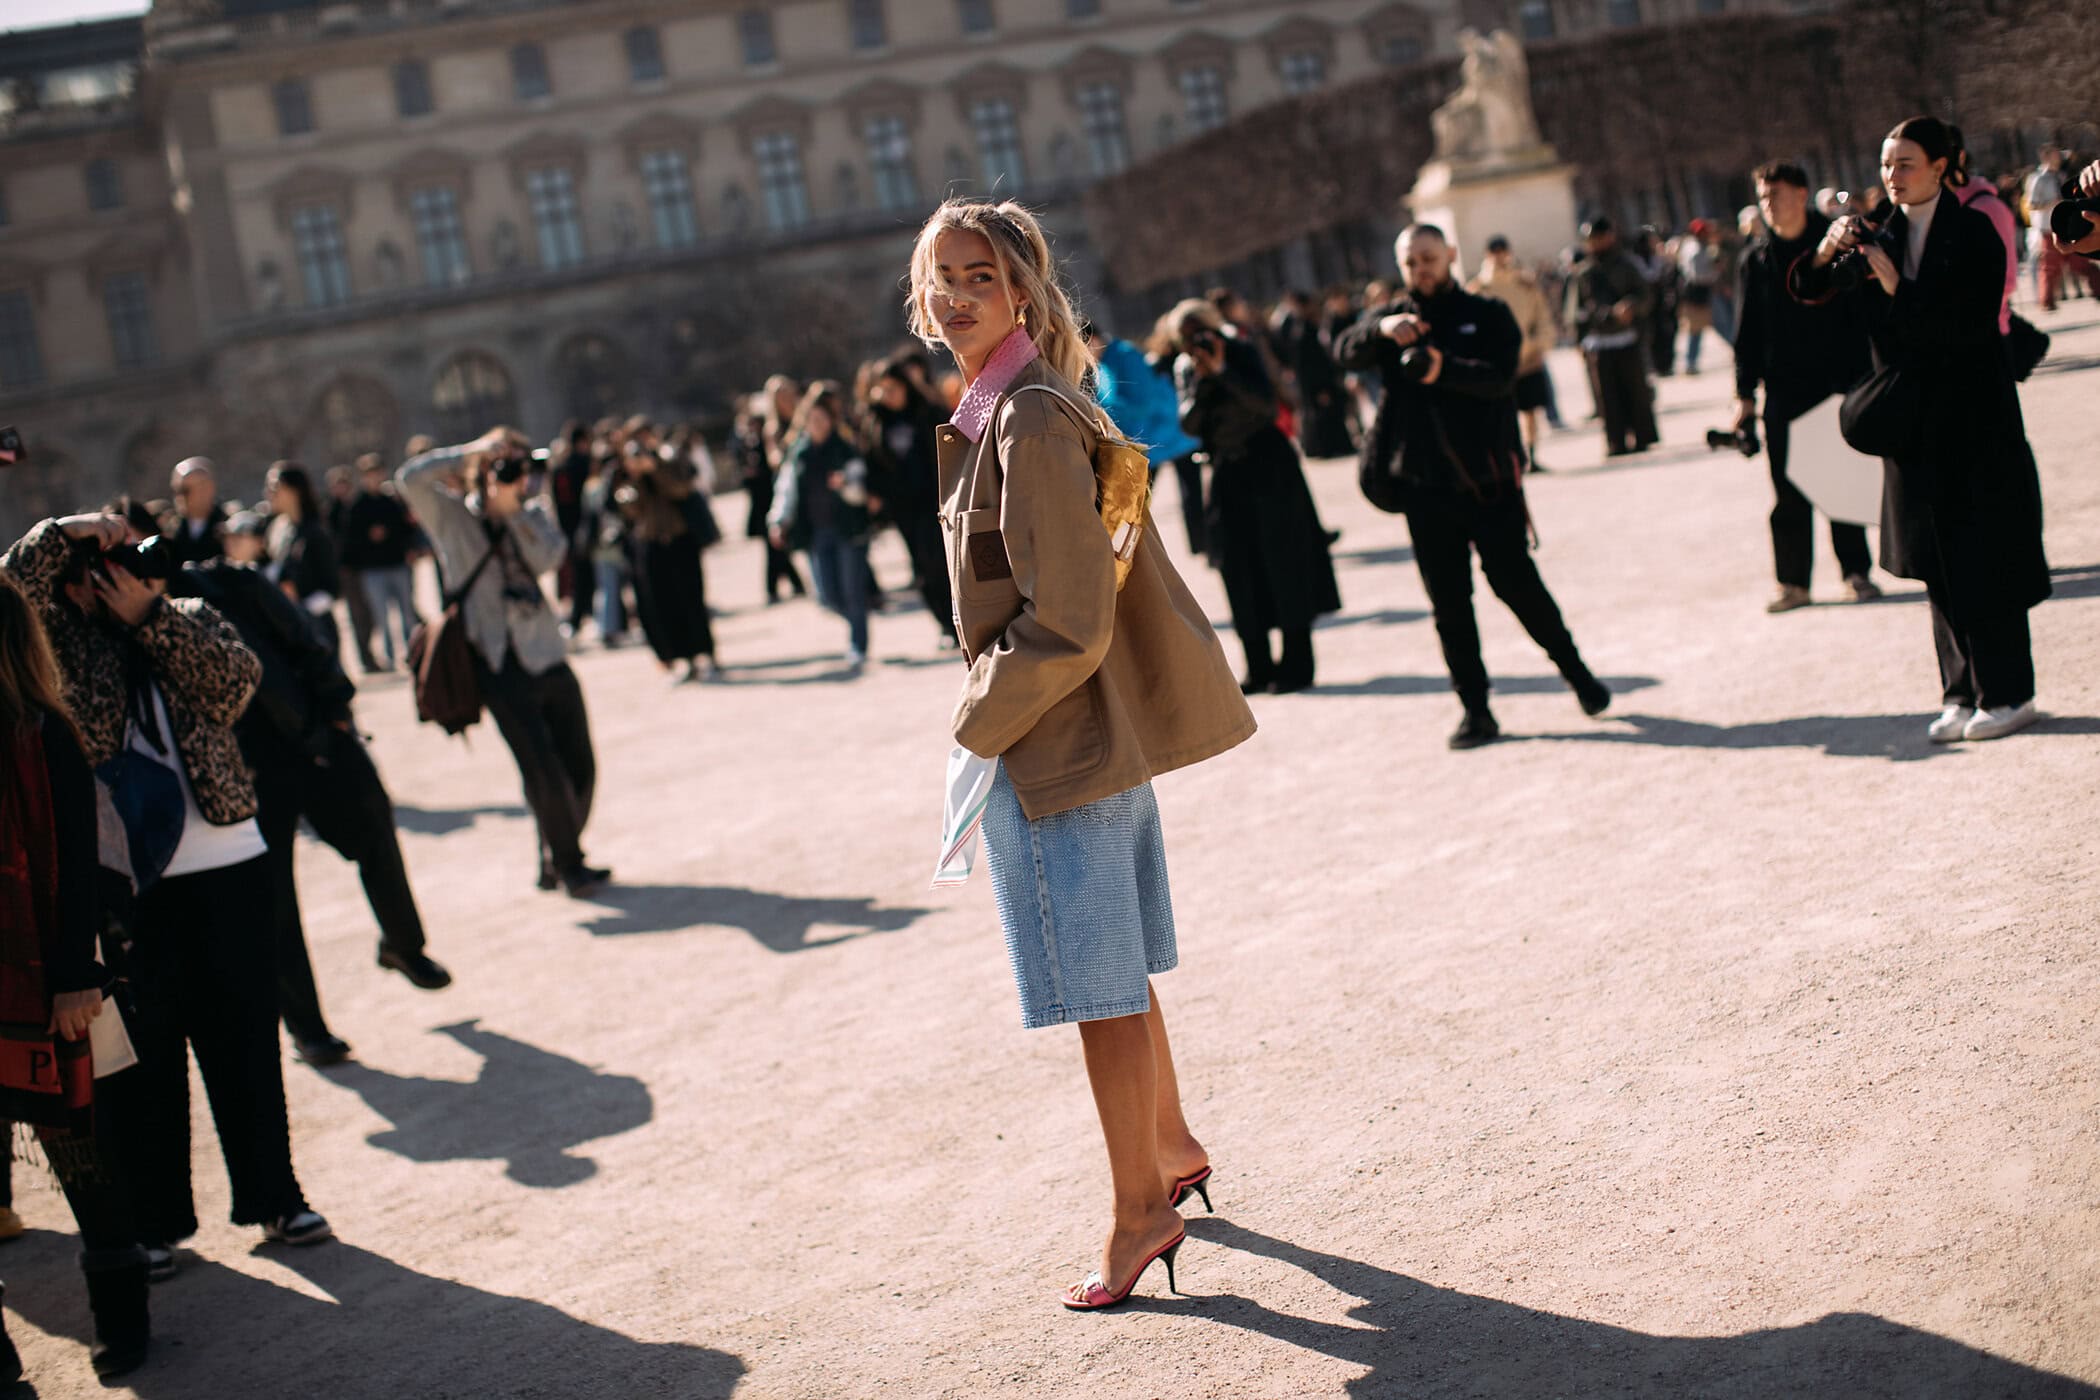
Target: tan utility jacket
x,y
1519,291
1081,691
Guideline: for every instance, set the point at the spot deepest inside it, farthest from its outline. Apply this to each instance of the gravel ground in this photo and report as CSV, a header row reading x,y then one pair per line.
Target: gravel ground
x,y
1739,1044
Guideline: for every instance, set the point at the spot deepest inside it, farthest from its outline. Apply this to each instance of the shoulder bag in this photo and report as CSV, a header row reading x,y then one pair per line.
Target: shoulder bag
x,y
441,658
1880,415
1122,484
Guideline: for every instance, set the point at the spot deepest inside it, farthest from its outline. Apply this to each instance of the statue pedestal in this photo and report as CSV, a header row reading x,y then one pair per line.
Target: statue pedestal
x,y
1528,197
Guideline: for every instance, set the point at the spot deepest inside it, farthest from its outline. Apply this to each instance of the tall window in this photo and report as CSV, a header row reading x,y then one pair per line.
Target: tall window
x,y
528,73
1712,7
324,266
976,16
130,311
1082,9
1623,14
1303,70
780,179
412,88
754,29
1107,133
1203,97
889,161
105,188
471,392
295,107
998,144
551,192
670,191
440,238
21,363
1535,19
871,29
1402,49
645,55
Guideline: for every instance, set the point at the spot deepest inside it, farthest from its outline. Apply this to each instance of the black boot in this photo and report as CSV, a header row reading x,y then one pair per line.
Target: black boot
x,y
1295,671
1592,694
1477,728
116,1284
10,1359
1261,666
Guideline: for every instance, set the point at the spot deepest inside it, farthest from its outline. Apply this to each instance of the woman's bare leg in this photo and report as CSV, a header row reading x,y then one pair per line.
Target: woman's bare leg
x,y
1180,1154
1122,1067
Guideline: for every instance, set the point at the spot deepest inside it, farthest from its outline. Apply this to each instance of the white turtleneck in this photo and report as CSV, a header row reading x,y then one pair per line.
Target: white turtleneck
x,y
1920,219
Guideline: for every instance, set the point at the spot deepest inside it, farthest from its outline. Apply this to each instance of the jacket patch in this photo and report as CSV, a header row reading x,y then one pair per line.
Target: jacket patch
x,y
988,559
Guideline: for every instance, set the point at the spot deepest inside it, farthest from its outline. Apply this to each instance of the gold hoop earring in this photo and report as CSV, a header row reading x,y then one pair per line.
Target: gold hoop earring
x,y
1023,317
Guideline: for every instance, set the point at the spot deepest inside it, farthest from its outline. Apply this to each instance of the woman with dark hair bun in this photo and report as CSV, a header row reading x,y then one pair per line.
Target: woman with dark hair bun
x,y
1961,503
302,552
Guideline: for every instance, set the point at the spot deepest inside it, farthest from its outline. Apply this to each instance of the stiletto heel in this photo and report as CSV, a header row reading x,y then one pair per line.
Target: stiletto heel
x,y
1090,1293
1198,1183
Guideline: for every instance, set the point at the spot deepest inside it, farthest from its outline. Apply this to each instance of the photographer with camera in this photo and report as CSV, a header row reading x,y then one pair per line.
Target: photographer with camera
x,y
1961,503
1801,355
1610,302
156,684
302,745
492,545
1445,452
2074,222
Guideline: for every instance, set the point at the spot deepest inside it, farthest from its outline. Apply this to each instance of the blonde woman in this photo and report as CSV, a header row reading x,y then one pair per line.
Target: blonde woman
x,y
1081,692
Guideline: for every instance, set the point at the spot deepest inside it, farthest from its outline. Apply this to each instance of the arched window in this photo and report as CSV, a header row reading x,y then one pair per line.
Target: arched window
x,y
593,377
472,394
354,414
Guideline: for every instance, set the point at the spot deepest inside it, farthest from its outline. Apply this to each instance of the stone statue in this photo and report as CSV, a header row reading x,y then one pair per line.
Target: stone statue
x,y
1490,116
269,286
736,208
845,186
626,229
389,265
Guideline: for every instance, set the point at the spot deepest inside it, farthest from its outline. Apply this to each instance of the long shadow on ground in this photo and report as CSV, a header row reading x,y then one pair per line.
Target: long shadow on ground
x,y
1503,685
443,821
1418,1340
1898,738
528,1109
384,1332
782,923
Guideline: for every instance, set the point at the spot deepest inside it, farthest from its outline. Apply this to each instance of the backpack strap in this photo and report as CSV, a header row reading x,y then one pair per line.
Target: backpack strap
x,y
458,596
1100,425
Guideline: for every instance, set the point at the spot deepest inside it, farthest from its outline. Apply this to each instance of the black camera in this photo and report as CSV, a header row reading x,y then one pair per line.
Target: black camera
x,y
147,561
510,469
1207,341
1743,439
10,447
1415,362
2067,219
1850,269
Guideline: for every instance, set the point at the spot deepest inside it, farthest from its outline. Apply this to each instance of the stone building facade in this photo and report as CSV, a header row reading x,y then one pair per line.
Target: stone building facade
x,y
263,228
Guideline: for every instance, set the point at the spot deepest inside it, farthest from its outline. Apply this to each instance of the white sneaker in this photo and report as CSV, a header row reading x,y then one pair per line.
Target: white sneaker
x,y
1950,725
1996,724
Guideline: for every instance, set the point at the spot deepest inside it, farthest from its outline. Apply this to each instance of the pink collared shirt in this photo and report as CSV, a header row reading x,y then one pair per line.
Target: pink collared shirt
x,y
974,414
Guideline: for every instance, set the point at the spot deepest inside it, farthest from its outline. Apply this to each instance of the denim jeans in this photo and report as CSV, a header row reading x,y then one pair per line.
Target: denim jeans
x,y
612,606
395,586
839,565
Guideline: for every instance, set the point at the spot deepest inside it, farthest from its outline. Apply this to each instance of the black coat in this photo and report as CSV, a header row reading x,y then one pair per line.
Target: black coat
x,y
303,687
1801,353
1966,515
1459,434
208,545
1264,528
309,561
670,586
1323,400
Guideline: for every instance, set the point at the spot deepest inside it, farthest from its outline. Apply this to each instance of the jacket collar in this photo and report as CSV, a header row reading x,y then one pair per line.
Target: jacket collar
x,y
974,414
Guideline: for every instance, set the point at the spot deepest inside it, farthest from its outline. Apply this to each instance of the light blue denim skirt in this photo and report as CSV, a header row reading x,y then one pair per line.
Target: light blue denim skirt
x,y
1083,898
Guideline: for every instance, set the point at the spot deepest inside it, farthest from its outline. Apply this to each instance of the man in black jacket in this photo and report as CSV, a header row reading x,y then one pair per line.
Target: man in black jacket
x,y
1610,301
200,519
1802,355
1446,437
299,739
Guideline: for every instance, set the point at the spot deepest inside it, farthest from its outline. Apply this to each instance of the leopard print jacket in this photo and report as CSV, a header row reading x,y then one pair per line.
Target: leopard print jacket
x,y
206,675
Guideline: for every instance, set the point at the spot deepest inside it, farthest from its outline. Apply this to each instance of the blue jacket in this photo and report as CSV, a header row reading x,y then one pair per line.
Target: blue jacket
x,y
1142,402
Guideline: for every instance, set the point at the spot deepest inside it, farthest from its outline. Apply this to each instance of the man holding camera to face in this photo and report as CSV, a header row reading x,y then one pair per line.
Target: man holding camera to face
x,y
492,545
1802,355
1445,451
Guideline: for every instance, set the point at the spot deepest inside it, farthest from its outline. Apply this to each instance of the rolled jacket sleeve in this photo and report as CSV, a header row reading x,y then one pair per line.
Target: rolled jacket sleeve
x,y
1065,572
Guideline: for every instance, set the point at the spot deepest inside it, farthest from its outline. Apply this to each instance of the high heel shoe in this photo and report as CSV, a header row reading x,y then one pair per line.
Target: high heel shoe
x,y
1090,1293
1199,1183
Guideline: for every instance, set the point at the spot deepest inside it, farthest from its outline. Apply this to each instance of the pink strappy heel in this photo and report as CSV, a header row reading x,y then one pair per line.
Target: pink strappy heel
x,y
1089,1293
1199,1183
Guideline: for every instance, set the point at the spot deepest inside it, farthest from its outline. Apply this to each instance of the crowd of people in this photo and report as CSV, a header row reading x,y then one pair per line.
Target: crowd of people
x,y
173,700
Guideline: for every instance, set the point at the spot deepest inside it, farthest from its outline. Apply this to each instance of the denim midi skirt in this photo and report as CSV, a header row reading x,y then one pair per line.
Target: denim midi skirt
x,y
1083,899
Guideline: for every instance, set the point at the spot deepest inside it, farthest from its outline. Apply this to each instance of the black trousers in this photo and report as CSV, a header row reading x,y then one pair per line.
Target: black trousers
x,y
361,622
780,568
929,560
1794,520
1624,398
1447,530
583,589
1188,475
340,794
1987,663
205,979
543,721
